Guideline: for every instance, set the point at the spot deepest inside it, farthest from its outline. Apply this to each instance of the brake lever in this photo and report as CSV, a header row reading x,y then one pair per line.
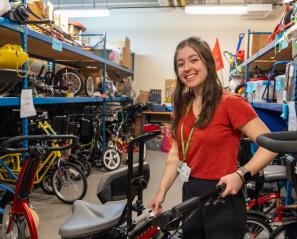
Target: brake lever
x,y
214,201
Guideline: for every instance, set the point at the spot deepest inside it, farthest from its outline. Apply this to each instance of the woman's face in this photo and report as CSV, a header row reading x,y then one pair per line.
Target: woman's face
x,y
191,69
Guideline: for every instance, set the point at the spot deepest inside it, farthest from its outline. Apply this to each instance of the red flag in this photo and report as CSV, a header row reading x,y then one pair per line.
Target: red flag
x,y
216,53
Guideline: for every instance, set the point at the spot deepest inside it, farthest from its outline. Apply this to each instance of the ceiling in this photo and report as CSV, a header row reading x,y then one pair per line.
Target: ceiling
x,y
117,4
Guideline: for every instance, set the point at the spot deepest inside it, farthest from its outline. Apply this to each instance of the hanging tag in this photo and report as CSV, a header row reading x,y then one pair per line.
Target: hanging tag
x,y
27,106
57,45
184,173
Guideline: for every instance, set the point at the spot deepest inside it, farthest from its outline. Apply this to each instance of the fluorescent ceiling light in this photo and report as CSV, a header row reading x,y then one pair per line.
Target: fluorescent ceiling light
x,y
84,12
259,7
216,9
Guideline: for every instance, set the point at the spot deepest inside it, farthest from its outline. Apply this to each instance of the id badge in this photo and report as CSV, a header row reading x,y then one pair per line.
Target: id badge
x,y
184,172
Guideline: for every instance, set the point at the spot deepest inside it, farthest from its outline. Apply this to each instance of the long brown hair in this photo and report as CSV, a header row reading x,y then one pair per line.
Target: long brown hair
x,y
212,88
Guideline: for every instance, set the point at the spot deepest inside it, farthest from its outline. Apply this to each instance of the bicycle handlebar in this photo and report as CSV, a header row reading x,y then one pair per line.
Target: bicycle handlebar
x,y
279,142
195,202
144,137
5,144
148,225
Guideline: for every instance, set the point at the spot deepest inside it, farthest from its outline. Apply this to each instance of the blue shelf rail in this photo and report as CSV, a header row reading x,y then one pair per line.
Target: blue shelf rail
x,y
15,101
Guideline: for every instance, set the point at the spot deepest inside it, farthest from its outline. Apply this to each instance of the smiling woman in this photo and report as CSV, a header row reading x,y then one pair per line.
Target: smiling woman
x,y
206,129
194,65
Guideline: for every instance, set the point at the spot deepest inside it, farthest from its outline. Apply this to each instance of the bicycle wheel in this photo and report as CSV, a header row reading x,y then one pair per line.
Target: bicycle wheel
x,y
68,81
89,86
111,159
285,231
18,230
73,183
87,167
82,166
257,228
46,184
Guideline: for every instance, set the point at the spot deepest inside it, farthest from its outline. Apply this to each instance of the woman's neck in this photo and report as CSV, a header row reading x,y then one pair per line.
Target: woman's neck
x,y
198,95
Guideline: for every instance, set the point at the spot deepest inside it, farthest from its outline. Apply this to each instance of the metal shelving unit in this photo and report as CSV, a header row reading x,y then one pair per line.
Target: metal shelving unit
x,y
271,113
40,46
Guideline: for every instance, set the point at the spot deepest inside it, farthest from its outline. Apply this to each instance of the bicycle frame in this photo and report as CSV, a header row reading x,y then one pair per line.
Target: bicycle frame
x,y
21,199
7,173
266,198
20,205
44,166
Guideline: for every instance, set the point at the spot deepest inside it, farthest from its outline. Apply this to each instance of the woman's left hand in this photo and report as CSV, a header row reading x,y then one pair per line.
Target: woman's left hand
x,y
233,184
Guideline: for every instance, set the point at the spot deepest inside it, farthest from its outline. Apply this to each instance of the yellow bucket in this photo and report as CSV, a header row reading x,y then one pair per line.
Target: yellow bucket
x,y
12,56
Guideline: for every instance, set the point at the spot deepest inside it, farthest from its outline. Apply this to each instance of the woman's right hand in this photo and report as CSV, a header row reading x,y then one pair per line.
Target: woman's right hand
x,y
155,203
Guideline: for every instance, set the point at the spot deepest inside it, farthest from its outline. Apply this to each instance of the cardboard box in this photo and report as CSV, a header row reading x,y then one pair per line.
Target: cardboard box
x,y
169,88
126,59
258,41
143,97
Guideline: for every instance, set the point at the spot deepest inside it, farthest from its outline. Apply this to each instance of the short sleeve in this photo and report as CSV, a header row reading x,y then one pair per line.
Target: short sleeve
x,y
239,110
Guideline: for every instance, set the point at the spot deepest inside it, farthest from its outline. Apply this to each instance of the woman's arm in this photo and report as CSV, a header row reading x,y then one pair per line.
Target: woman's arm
x,y
169,176
261,158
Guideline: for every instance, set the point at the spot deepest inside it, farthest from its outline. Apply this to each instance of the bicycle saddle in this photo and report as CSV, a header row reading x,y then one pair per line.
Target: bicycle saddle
x,y
91,219
88,219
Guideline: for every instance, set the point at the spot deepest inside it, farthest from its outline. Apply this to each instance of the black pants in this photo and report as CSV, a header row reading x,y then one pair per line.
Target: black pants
x,y
221,221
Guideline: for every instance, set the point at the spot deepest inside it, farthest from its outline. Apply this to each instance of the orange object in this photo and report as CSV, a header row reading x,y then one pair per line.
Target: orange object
x,y
216,53
240,55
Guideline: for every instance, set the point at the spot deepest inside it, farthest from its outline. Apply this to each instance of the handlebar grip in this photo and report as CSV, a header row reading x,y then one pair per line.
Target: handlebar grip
x,y
144,137
5,144
195,202
186,206
279,142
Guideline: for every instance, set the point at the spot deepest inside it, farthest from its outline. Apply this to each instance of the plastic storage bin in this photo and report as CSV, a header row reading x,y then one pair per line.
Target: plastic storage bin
x,y
261,94
279,88
251,89
155,96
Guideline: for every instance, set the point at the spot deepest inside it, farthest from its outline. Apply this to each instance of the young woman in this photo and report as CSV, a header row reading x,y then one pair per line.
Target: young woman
x,y
207,126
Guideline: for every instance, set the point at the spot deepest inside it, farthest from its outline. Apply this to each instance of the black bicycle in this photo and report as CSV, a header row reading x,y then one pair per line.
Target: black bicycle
x,y
284,143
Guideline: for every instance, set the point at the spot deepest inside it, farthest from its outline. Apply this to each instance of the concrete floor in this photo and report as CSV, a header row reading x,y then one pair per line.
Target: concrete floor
x,y
52,212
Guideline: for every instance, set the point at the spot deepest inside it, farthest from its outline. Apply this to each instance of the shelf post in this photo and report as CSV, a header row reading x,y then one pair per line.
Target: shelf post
x,y
246,75
103,91
25,82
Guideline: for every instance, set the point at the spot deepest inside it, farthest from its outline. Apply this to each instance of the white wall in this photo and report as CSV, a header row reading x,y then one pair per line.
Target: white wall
x,y
154,35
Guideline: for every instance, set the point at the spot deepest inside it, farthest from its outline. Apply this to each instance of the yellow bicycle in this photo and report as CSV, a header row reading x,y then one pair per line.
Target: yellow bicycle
x,y
51,174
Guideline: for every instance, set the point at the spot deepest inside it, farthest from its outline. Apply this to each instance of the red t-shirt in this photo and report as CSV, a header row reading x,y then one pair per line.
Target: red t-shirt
x,y
213,150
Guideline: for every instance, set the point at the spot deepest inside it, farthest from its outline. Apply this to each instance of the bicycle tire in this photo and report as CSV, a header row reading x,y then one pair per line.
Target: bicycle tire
x,y
281,231
111,159
70,79
73,183
18,229
257,228
83,165
46,184
89,86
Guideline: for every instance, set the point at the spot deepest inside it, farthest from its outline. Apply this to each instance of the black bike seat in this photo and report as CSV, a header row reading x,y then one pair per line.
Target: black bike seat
x,y
89,219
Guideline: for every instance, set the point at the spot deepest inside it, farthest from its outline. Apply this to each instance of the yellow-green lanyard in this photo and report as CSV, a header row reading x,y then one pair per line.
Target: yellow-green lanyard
x,y
185,149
